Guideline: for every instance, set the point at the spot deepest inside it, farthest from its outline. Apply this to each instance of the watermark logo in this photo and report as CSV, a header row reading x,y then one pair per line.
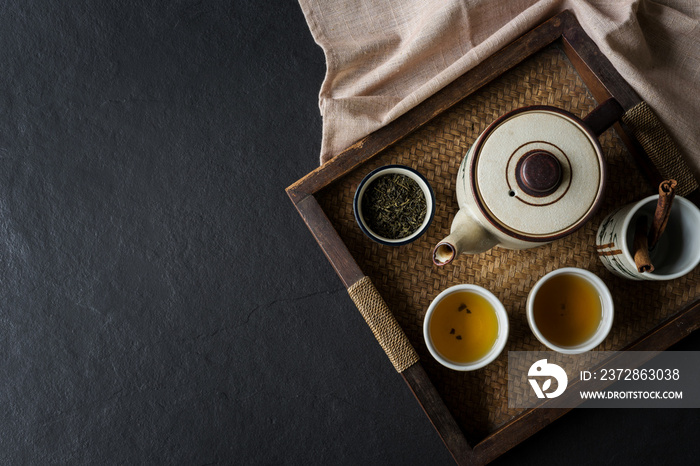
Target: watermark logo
x,y
604,379
542,368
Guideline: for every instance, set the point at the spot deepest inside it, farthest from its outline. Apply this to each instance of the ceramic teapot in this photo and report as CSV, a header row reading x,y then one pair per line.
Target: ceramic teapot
x,y
532,176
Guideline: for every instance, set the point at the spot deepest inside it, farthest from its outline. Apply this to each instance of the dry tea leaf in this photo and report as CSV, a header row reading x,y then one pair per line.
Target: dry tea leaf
x,y
394,206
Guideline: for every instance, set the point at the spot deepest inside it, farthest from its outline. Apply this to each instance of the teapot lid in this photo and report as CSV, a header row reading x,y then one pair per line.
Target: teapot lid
x,y
537,173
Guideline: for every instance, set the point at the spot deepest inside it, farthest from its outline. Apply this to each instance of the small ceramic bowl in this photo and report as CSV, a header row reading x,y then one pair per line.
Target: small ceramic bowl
x,y
387,170
607,311
501,336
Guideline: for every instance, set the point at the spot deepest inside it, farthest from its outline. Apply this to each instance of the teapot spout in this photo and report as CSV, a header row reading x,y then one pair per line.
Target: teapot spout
x,y
466,236
445,251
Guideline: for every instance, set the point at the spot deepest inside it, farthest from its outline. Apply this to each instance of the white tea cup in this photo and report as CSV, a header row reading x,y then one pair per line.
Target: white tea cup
x,y
448,316
677,252
590,323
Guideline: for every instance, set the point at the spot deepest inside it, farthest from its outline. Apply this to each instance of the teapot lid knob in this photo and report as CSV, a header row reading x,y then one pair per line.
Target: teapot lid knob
x,y
538,173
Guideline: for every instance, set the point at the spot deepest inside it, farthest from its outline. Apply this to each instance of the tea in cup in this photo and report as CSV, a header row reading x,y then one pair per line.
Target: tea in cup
x,y
466,327
570,310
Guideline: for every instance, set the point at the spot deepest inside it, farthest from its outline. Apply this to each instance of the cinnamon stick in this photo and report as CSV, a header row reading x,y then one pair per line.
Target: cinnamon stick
x,y
663,211
640,246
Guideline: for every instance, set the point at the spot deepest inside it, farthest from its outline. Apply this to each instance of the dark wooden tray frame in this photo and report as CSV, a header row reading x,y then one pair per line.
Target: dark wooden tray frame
x,y
604,83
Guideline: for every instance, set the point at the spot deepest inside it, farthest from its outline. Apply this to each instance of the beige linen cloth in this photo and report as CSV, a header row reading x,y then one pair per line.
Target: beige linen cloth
x,y
385,57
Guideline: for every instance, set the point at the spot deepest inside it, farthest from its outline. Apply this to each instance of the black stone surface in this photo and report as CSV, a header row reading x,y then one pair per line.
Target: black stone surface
x,y
161,301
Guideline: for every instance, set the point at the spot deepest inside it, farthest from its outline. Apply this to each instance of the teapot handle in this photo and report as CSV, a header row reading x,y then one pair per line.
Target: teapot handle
x,y
604,116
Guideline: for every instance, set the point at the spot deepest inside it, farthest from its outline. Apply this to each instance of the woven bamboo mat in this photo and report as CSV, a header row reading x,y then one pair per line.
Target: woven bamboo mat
x,y
407,279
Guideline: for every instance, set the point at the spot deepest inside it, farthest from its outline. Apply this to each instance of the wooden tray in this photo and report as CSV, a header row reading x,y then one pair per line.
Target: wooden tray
x,y
554,64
